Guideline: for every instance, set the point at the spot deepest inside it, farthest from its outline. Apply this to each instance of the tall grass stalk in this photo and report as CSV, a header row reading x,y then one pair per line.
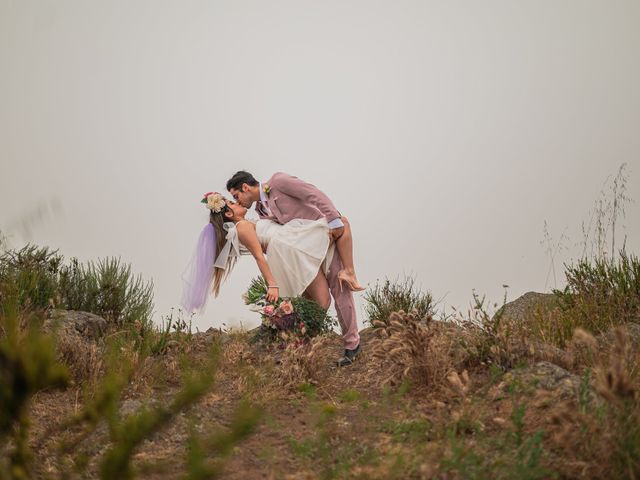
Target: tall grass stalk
x,y
609,209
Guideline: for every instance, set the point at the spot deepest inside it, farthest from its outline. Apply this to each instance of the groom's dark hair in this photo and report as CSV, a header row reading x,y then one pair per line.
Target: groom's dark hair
x,y
239,178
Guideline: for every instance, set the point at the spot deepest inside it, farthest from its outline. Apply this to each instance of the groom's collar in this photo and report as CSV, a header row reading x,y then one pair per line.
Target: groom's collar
x,y
263,196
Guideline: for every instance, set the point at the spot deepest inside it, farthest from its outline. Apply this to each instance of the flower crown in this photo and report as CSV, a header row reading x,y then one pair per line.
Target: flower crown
x,y
214,201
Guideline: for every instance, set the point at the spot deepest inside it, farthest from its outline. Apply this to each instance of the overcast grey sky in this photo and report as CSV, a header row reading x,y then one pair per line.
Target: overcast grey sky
x,y
448,132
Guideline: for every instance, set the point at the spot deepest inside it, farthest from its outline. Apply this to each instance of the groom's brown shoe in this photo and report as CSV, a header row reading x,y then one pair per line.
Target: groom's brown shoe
x,y
349,356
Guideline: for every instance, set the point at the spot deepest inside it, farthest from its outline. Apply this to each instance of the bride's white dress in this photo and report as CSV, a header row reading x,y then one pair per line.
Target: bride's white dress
x,y
295,251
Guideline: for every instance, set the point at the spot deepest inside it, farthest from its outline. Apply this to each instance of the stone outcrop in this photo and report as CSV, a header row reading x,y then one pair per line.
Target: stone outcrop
x,y
70,322
547,376
526,305
608,337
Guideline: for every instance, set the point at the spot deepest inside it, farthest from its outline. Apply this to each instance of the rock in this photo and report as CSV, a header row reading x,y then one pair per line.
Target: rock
x,y
199,341
609,337
129,406
522,307
70,322
212,335
545,351
172,346
547,376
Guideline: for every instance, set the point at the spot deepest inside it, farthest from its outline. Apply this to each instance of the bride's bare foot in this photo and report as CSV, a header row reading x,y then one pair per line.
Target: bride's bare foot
x,y
351,281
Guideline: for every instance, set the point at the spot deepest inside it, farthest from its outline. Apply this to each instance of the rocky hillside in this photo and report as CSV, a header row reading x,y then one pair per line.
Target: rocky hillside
x,y
473,398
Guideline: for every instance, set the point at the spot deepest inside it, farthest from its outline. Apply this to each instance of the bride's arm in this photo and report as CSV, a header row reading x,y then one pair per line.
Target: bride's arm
x,y
247,236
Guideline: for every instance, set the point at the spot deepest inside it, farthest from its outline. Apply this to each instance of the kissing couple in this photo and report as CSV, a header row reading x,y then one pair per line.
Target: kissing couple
x,y
301,244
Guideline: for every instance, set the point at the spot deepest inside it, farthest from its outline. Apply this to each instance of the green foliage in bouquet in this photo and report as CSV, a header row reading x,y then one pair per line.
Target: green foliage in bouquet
x,y
314,317
256,295
299,315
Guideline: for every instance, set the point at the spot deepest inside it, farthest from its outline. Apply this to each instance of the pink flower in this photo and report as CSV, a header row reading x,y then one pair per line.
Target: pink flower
x,y
268,310
207,194
286,307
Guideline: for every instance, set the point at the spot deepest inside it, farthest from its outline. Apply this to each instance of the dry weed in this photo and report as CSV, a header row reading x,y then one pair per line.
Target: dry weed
x,y
613,381
495,339
235,351
413,348
460,383
302,363
84,358
600,439
582,350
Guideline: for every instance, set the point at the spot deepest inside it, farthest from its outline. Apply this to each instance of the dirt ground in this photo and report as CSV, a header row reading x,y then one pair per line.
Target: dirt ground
x,y
329,422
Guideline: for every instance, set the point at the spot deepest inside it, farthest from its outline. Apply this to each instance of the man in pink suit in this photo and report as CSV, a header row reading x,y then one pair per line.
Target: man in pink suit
x,y
283,198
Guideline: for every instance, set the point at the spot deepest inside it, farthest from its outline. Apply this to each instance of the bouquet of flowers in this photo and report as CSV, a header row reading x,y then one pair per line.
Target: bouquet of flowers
x,y
298,317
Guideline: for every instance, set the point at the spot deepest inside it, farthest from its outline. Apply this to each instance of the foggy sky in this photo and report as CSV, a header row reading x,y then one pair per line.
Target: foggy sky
x,y
448,132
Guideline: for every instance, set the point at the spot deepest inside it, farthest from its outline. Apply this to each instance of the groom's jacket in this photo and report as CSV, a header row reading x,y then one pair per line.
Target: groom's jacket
x,y
288,197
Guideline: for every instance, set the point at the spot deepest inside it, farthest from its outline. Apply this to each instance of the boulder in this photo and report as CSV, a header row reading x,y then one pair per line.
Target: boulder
x,y
547,376
528,304
608,337
70,322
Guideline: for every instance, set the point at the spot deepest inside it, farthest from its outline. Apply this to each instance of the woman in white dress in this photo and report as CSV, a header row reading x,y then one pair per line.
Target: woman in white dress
x,y
298,254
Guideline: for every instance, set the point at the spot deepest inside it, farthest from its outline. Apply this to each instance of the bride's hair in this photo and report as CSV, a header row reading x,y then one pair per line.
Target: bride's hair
x,y
217,220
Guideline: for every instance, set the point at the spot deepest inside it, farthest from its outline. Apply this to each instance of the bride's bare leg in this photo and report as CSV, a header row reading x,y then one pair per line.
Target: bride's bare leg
x,y
344,245
318,290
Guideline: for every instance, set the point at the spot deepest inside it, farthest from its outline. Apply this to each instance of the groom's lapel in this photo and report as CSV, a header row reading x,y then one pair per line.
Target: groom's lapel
x,y
263,213
273,206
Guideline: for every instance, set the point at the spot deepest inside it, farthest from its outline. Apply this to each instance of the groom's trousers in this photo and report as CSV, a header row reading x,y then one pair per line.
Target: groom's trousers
x,y
344,304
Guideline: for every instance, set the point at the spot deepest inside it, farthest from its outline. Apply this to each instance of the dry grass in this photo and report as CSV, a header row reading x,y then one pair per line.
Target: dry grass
x,y
600,436
593,436
413,348
302,363
582,351
614,380
460,383
85,359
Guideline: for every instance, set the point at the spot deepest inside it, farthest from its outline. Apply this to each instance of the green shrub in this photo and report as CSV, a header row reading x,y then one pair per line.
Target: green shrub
x,y
39,278
388,297
609,289
599,295
107,288
31,275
